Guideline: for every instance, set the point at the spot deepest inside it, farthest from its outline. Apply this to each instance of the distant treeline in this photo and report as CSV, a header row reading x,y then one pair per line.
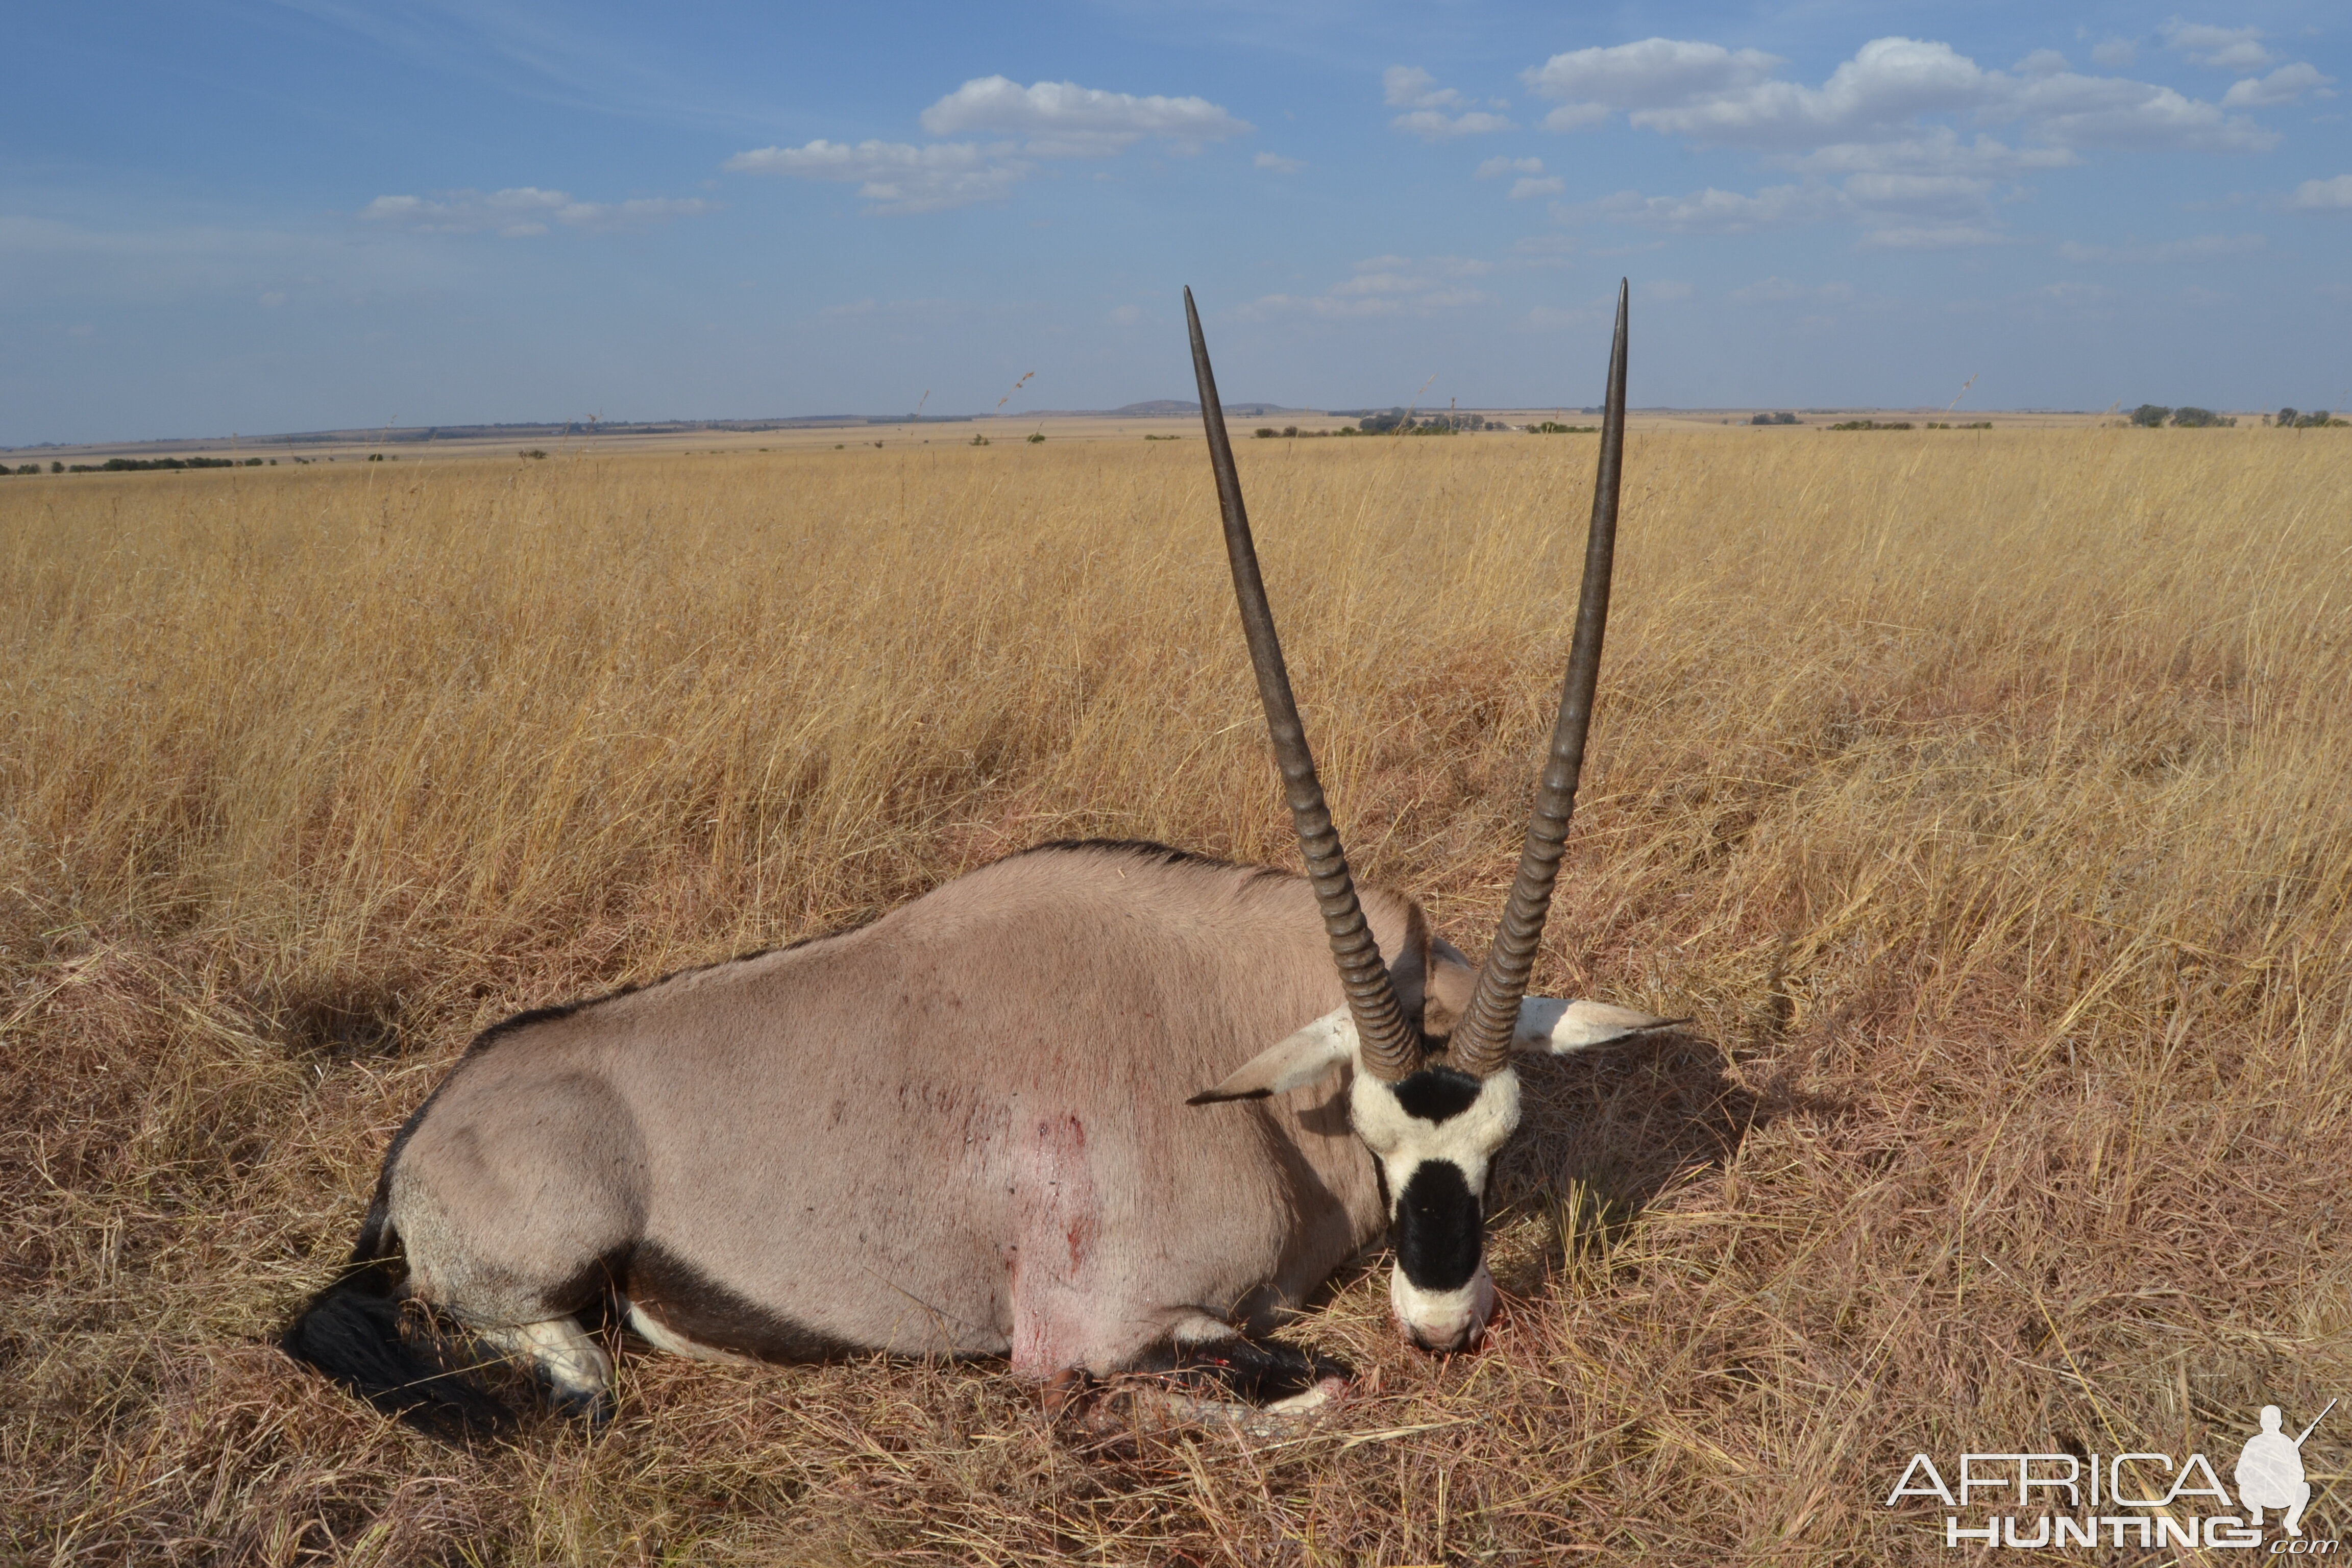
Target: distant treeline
x,y
138,465
2149,416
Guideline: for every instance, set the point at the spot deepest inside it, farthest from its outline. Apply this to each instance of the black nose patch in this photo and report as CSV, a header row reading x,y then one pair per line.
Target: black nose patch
x,y
1437,1094
1440,1232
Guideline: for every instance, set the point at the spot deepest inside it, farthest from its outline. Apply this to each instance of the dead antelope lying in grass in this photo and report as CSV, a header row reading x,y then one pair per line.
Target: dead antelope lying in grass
x,y
963,1130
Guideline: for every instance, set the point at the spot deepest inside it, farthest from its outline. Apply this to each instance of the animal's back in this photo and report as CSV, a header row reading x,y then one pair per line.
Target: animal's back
x,y
959,1130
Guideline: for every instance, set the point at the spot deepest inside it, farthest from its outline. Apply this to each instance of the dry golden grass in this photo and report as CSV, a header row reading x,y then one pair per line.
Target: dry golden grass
x,y
1982,798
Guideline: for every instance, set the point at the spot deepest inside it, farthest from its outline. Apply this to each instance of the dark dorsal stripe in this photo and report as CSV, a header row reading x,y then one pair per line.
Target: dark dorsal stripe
x,y
1439,1230
1437,1094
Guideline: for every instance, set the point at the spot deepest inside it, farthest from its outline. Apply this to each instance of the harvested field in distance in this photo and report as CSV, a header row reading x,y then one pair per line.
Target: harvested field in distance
x,y
1983,798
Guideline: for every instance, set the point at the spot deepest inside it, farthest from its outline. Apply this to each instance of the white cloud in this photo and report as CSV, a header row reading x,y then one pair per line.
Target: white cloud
x,y
1523,189
1653,73
1436,125
2230,49
2284,85
1935,149
1047,119
522,211
1276,164
2334,194
1710,95
2042,62
1410,87
896,176
1494,168
1711,211
1063,120
1920,193
2113,53
1385,286
2197,247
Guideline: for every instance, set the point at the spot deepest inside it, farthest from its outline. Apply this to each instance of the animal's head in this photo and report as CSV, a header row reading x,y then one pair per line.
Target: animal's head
x,y
1433,1122
1433,1096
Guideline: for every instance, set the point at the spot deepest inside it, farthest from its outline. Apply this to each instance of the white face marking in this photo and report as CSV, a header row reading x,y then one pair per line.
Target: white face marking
x,y
1467,1139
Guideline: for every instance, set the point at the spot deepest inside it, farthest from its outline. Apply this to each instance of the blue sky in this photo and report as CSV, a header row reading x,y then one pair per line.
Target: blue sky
x,y
241,215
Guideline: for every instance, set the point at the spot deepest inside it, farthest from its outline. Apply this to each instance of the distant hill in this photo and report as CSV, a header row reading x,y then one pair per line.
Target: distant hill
x,y
1167,407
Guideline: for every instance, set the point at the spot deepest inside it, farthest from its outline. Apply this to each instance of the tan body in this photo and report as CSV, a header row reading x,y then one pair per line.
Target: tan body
x,y
961,1129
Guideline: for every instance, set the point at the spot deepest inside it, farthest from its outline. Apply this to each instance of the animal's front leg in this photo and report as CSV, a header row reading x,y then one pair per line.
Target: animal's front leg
x,y
1206,1358
574,1367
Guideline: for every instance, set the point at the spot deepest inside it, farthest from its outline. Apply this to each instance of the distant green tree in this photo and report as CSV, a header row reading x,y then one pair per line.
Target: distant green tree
x,y
2200,418
2148,416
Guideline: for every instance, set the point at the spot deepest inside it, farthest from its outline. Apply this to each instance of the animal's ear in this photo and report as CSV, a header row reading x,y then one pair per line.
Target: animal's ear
x,y
1298,1059
1547,1024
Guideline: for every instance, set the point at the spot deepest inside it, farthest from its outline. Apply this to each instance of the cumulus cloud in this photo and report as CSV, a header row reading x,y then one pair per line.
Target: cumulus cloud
x,y
522,211
1415,89
1920,134
2228,49
1410,87
1907,212
1707,94
1277,163
896,176
1532,181
1385,286
1045,120
1652,74
2324,194
2197,247
1063,120
1436,125
1711,211
2284,85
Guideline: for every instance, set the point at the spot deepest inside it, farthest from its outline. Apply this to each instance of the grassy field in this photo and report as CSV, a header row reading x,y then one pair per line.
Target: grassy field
x,y
1982,797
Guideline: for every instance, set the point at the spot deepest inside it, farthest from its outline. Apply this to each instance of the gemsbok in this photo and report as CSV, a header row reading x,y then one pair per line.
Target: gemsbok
x,y
996,1122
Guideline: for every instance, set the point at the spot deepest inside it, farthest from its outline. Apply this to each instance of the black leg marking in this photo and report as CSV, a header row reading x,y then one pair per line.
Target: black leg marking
x,y
1253,1370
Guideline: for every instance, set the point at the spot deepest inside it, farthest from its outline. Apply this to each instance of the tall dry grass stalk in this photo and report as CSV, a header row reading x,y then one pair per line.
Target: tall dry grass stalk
x,y
1983,798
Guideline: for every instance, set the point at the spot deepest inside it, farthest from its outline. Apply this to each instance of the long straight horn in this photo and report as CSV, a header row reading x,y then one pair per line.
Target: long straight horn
x,y
1482,1040
1390,1045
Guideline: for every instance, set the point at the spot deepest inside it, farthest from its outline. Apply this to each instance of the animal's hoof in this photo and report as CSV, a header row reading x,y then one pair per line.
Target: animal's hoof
x,y
1064,1386
592,1407
1328,1391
